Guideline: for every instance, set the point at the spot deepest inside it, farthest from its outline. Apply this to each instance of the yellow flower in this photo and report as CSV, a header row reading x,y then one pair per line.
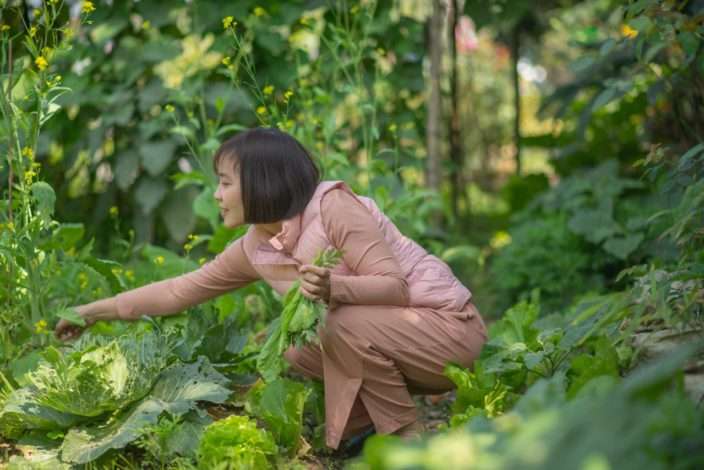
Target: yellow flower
x,y
228,22
10,226
40,327
392,128
82,280
226,61
146,25
129,274
202,261
114,211
259,11
4,27
29,176
37,13
159,260
628,32
32,31
261,110
169,108
500,239
41,63
268,90
28,152
87,7
287,96
290,123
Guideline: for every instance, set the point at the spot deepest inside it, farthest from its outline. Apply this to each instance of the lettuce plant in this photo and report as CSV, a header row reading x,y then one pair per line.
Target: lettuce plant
x,y
235,443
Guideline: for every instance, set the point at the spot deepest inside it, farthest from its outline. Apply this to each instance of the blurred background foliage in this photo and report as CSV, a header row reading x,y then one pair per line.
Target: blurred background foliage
x,y
544,114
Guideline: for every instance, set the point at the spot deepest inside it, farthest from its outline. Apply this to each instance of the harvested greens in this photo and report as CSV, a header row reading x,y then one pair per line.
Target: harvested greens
x,y
298,324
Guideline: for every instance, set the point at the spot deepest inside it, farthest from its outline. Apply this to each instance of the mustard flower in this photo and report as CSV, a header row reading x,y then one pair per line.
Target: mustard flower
x,y
28,152
268,90
159,260
259,11
88,7
169,108
628,32
287,95
261,110
226,61
114,211
32,31
4,27
41,63
40,327
228,22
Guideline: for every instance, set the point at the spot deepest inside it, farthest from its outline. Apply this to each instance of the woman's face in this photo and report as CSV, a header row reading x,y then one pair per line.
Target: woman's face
x,y
229,194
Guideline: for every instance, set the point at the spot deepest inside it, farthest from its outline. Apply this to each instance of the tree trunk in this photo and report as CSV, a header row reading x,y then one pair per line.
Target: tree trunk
x,y
456,156
434,119
515,52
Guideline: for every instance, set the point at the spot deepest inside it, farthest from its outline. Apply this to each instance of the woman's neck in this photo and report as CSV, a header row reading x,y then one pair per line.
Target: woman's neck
x,y
270,229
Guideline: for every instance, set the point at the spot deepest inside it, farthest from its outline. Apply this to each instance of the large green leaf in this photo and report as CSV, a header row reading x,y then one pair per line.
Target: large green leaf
x,y
157,155
45,198
23,412
621,247
150,192
177,215
280,404
178,390
126,169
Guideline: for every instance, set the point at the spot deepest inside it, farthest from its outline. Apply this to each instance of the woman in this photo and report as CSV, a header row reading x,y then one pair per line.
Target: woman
x,y
397,315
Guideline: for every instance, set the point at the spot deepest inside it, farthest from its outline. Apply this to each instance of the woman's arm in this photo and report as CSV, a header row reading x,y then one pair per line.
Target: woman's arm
x,y
352,229
229,270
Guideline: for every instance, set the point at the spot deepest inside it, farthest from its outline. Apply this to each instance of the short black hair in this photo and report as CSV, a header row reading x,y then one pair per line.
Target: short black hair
x,y
277,174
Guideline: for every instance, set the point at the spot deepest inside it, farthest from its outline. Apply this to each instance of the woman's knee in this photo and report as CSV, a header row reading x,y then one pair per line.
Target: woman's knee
x,y
340,322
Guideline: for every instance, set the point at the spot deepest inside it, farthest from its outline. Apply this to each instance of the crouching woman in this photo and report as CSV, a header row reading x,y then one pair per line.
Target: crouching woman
x,y
396,314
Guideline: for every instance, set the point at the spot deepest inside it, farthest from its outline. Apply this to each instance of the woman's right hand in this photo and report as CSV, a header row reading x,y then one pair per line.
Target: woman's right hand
x,y
66,331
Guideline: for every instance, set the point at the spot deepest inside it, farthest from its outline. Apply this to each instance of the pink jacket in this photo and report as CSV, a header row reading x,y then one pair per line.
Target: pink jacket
x,y
380,265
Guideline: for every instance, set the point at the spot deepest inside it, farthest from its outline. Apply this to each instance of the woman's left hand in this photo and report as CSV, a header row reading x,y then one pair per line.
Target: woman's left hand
x,y
315,282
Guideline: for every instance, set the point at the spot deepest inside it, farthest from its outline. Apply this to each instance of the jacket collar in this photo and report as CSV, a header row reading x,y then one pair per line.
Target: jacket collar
x,y
287,238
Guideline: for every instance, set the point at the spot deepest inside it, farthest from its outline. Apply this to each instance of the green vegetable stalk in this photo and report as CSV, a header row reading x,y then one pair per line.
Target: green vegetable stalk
x,y
297,325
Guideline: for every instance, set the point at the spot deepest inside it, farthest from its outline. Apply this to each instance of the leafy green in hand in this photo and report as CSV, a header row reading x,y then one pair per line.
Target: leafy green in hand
x,y
298,324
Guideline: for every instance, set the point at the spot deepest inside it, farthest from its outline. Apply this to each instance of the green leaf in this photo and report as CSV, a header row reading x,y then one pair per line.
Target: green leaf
x,y
126,169
621,247
235,442
71,316
45,198
149,193
23,412
178,390
280,404
157,155
205,206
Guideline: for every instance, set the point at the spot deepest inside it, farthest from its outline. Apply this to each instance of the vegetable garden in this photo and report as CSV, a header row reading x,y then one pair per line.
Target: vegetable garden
x,y
552,153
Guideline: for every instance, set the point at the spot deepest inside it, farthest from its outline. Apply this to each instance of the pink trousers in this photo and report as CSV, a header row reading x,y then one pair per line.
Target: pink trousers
x,y
371,358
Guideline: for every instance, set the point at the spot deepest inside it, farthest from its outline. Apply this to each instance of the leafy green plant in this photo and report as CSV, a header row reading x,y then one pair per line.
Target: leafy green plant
x,y
297,325
235,443
280,405
100,377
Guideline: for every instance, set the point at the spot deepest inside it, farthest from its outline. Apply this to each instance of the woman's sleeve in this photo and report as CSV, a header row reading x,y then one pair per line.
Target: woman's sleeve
x,y
228,271
378,278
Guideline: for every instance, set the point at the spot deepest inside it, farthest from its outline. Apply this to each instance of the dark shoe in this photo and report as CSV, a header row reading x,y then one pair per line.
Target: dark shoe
x,y
353,446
